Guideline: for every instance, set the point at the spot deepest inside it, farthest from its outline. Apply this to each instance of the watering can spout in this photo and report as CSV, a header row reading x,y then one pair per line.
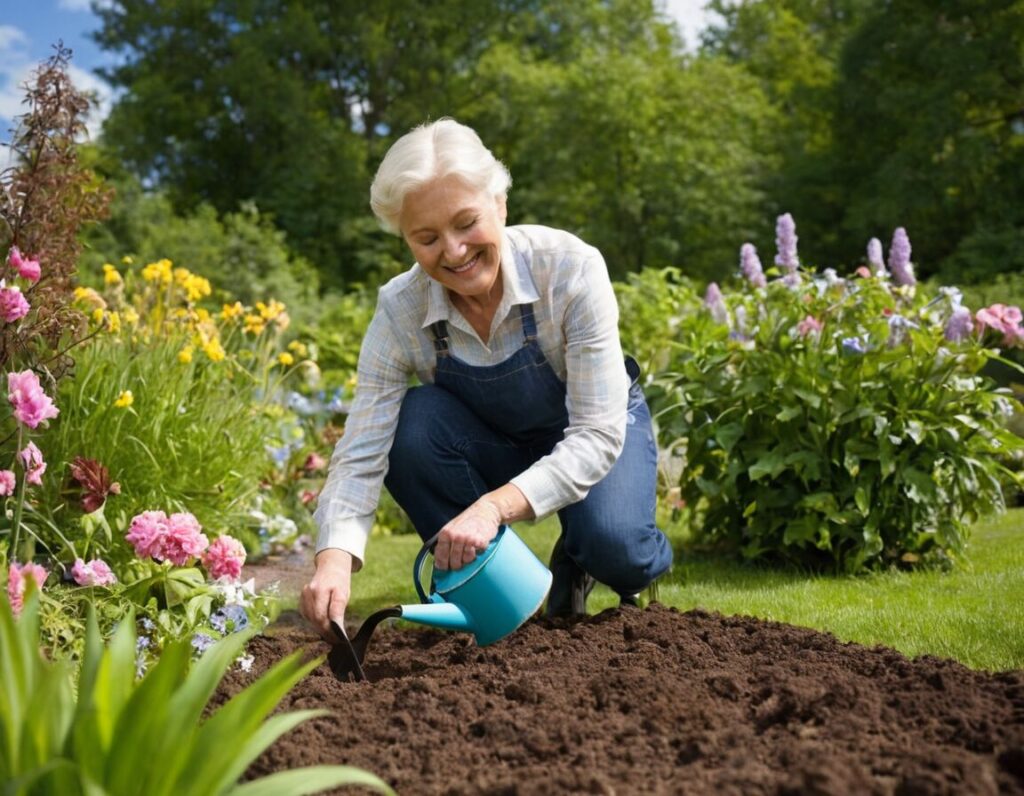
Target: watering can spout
x,y
447,616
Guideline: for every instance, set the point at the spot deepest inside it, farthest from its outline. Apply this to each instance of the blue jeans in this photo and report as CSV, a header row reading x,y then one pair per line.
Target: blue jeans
x,y
444,457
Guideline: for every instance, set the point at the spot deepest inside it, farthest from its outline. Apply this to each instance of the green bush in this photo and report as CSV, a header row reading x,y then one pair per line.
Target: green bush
x,y
99,730
829,422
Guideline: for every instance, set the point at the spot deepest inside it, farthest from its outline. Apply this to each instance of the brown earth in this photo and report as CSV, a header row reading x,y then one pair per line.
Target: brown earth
x,y
652,702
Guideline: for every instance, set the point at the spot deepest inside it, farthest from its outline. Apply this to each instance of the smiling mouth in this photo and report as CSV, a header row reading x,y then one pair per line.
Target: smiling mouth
x,y
461,269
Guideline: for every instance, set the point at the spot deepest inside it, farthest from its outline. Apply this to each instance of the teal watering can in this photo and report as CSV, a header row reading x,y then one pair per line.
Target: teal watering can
x,y
490,597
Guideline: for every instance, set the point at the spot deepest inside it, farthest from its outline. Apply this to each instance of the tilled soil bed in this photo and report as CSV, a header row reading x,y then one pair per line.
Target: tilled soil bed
x,y
651,702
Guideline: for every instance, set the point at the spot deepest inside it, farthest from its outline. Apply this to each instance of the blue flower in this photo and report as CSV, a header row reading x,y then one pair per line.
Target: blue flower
x,y
854,345
230,619
201,642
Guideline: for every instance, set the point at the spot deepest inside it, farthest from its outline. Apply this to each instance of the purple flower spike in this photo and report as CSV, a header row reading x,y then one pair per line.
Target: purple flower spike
x,y
785,242
750,265
715,304
875,261
960,325
899,259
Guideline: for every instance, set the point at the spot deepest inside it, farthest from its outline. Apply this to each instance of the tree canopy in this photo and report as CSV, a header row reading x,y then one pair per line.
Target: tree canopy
x,y
855,115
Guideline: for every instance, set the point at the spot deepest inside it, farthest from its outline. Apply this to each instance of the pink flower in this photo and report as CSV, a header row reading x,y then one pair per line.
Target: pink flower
x,y
307,496
17,582
32,460
13,304
184,539
147,534
314,463
28,267
1001,318
31,405
7,482
809,325
224,558
95,573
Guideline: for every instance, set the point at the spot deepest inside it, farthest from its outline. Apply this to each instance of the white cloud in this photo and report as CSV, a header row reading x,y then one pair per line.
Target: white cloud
x,y
691,17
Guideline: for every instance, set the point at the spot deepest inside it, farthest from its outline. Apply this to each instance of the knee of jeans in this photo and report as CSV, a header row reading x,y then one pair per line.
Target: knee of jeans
x,y
615,556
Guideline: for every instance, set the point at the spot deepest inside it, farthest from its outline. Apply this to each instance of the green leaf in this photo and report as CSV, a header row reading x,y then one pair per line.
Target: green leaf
x,y
770,463
313,779
727,435
788,413
862,497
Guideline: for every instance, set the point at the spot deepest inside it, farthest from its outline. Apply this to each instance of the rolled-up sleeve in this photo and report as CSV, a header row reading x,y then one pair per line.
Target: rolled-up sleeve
x,y
348,500
597,389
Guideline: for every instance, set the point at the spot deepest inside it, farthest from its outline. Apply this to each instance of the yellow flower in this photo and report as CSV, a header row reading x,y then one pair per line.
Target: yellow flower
x,y
159,271
254,324
97,316
110,275
214,350
181,313
127,260
130,316
270,311
202,316
113,322
285,358
196,287
124,400
89,296
185,355
298,348
232,311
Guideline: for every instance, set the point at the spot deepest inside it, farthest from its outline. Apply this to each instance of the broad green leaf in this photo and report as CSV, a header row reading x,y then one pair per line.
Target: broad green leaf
x,y
313,779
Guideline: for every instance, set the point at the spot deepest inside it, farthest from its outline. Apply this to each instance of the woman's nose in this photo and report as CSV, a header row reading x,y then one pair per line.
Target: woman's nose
x,y
454,249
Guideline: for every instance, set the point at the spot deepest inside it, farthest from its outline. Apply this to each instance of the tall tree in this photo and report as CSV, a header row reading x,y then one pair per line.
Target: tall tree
x,y
930,133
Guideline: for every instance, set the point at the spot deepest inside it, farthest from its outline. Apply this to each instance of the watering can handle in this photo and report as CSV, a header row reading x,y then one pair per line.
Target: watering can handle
x,y
417,567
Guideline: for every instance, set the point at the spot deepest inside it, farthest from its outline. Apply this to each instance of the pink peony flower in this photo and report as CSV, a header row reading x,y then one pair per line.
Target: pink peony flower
x,y
1001,318
7,482
95,573
32,460
809,325
224,558
31,405
17,582
13,304
184,539
28,267
147,534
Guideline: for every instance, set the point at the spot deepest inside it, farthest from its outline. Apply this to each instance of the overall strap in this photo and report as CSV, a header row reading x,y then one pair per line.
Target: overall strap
x,y
529,323
440,332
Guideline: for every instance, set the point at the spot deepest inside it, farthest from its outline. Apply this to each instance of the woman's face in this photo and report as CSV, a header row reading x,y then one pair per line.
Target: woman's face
x,y
455,234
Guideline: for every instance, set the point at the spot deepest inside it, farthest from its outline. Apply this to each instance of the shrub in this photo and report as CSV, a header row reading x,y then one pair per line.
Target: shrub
x,y
833,421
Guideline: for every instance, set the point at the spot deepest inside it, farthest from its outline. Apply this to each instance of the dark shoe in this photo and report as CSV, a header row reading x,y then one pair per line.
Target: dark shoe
x,y
629,601
570,585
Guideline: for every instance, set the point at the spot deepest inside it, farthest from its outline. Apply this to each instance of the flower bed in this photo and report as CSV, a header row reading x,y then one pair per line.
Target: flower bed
x,y
652,702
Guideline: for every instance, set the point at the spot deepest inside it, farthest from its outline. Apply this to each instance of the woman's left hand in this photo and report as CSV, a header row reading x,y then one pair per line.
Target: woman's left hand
x,y
467,534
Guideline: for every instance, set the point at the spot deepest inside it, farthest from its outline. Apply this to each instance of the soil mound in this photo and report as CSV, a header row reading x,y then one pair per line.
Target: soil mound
x,y
652,702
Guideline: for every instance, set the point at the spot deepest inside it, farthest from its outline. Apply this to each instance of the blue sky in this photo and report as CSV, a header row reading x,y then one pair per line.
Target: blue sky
x,y
29,28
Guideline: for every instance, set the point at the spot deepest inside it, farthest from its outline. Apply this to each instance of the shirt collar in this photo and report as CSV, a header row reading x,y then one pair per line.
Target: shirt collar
x,y
517,282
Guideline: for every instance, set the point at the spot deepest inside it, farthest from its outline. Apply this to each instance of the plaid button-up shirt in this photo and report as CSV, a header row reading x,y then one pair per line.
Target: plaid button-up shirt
x,y
577,328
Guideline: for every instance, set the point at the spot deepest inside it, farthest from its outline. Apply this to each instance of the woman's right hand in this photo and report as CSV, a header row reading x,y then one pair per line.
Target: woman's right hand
x,y
325,597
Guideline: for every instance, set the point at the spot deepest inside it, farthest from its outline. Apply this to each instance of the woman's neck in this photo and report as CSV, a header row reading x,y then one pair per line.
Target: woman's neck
x,y
479,310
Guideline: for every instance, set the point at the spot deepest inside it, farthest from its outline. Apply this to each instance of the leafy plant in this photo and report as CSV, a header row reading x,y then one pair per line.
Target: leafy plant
x,y
836,421
101,731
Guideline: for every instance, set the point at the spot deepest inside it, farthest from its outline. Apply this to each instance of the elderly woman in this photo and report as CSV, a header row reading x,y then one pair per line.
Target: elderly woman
x,y
524,406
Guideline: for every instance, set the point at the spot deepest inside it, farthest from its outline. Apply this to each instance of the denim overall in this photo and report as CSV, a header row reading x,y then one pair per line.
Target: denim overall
x,y
477,427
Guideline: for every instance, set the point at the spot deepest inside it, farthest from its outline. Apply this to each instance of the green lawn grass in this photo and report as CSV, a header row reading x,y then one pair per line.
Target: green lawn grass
x,y
974,614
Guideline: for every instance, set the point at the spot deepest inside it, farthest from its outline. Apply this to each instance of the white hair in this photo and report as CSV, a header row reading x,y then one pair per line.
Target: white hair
x,y
429,152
